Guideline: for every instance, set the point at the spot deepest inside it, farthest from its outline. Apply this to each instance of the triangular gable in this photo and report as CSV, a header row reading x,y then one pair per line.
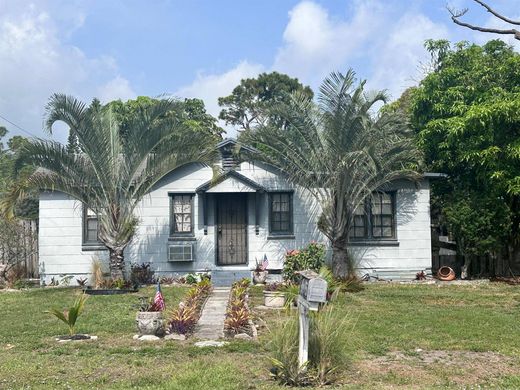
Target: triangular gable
x,y
230,181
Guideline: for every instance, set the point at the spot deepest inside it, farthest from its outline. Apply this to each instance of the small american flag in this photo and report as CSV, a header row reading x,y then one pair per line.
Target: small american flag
x,y
158,300
265,262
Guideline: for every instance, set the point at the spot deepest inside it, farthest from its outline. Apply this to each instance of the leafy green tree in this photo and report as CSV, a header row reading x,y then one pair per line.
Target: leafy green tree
x,y
467,114
190,111
112,173
338,150
248,104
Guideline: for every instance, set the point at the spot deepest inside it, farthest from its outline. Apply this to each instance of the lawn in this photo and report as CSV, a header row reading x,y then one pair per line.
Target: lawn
x,y
419,336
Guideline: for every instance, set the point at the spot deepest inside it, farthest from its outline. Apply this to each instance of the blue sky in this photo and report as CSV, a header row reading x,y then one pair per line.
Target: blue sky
x,y
121,49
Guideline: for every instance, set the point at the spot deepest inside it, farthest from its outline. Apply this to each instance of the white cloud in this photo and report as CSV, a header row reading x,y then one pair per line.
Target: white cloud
x,y
315,43
209,87
34,63
400,53
117,88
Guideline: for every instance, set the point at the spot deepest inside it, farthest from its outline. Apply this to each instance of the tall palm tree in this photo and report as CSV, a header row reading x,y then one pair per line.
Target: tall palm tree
x,y
111,174
341,150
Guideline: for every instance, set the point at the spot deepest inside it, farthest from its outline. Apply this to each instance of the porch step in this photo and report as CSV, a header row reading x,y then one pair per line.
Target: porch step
x,y
225,278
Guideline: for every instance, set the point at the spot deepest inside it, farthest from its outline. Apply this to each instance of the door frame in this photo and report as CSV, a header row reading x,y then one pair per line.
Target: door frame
x,y
245,196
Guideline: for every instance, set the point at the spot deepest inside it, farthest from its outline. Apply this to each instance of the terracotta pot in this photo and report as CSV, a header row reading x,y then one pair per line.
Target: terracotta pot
x,y
445,273
150,323
259,277
274,299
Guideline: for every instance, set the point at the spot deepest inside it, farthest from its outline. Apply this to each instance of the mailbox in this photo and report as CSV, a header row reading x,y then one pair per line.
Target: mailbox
x,y
313,288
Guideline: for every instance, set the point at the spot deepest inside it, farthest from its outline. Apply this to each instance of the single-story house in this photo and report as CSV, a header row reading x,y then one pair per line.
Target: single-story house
x,y
193,222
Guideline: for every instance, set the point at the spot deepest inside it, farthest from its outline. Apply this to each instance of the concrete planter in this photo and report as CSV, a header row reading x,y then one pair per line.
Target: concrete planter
x,y
274,298
150,323
259,277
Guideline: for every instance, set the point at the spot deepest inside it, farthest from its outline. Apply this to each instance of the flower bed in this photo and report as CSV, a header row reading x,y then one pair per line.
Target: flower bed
x,y
238,317
184,318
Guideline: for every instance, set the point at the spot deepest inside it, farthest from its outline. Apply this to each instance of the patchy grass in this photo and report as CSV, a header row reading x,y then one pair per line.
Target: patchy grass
x,y
419,336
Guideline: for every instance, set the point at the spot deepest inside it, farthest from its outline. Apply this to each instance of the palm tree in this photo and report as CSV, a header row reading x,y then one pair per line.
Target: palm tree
x,y
341,150
111,173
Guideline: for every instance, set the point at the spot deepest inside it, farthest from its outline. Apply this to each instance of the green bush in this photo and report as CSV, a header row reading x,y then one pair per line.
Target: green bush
x,y
330,343
330,347
312,257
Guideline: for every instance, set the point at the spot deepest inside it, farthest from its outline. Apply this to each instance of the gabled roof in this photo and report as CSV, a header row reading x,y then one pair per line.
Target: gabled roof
x,y
231,142
227,175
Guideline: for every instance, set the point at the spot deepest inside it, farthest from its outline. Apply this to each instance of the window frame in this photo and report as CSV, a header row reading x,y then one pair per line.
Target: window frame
x,y
290,230
369,216
173,233
85,241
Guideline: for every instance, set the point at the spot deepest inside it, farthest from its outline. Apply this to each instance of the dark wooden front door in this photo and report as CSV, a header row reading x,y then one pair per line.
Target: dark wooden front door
x,y
231,229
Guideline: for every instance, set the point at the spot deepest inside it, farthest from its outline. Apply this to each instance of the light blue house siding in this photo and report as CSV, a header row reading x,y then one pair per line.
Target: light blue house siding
x,y
61,235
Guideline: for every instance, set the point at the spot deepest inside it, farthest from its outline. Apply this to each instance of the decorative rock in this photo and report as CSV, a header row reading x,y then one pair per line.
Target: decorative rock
x,y
242,336
210,343
175,336
79,337
136,337
148,337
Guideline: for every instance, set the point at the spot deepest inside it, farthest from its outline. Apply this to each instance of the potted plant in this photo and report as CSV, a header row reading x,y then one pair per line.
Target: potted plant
x,y
260,273
274,296
149,318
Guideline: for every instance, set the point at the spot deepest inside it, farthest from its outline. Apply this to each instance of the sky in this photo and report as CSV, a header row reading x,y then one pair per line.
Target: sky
x,y
121,49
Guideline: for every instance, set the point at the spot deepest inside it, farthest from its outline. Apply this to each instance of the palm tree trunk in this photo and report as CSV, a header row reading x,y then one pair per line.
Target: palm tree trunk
x,y
340,260
117,263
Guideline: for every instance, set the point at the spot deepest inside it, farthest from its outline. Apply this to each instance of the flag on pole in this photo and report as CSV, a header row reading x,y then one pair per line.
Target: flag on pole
x,y
265,262
158,300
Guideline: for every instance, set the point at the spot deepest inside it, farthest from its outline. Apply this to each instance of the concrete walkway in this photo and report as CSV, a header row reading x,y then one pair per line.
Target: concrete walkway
x,y
211,321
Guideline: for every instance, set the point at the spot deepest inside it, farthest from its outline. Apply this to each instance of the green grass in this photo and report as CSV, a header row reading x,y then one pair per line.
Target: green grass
x,y
475,327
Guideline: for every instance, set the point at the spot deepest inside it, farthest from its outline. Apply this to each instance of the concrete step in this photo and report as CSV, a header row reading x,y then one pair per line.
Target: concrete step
x,y
225,278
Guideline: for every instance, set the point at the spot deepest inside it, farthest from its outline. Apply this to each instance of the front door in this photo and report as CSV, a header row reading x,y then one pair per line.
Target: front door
x,y
231,229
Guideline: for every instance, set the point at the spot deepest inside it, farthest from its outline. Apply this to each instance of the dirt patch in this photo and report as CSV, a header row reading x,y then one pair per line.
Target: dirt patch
x,y
419,368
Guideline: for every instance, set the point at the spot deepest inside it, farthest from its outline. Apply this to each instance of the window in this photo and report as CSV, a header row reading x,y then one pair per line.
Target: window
x,y
281,219
181,221
359,226
382,216
90,227
376,218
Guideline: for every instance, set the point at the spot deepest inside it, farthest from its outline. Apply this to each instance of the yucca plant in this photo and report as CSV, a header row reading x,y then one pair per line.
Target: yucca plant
x,y
70,315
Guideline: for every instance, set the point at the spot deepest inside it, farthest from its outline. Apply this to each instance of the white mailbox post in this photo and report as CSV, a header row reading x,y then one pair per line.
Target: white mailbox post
x,y
313,291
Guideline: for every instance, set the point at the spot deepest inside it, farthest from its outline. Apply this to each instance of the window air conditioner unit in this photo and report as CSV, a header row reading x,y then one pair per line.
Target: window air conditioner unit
x,y
180,253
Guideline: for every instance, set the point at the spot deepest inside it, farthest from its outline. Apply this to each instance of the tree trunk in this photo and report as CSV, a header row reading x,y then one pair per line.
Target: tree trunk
x,y
340,261
464,270
117,264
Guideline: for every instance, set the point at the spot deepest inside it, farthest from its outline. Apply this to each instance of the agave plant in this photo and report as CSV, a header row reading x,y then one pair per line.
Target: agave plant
x,y
113,170
70,315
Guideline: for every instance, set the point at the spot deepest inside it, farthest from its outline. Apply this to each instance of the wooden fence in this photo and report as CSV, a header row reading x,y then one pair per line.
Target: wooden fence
x,y
19,245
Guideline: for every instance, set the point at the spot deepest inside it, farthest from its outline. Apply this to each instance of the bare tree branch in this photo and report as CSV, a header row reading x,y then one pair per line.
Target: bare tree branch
x,y
455,15
492,11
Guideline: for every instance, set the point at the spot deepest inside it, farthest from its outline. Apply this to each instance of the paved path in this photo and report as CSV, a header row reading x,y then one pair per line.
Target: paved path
x,y
211,321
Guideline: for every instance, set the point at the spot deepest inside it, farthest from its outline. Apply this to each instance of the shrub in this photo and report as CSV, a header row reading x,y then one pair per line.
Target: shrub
x,y
329,343
237,314
141,274
283,346
97,273
312,257
184,318
329,348
70,315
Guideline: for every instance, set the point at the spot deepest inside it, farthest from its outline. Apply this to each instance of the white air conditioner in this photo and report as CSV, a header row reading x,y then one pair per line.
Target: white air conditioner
x,y
181,252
